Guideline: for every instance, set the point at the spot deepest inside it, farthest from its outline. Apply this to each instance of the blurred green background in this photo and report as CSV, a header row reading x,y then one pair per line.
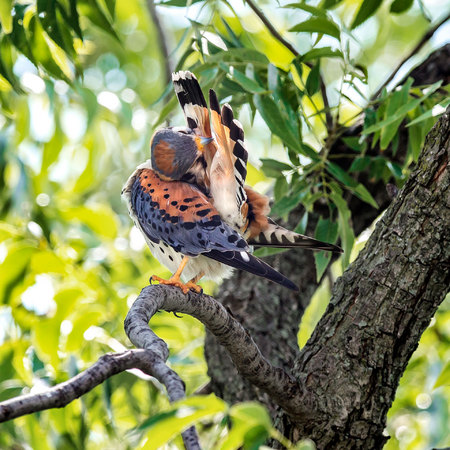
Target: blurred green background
x,y
71,264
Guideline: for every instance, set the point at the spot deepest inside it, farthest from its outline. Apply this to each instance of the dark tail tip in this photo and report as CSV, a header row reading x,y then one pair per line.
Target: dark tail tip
x,y
214,102
335,249
290,285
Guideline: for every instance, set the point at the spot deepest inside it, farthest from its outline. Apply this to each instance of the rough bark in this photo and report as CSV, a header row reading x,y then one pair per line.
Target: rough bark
x,y
380,308
271,314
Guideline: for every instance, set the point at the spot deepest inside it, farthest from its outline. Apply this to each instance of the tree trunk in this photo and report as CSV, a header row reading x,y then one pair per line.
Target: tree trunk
x,y
379,309
351,366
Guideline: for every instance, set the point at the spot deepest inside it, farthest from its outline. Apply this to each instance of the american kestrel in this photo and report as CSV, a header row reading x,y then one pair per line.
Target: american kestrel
x,y
191,203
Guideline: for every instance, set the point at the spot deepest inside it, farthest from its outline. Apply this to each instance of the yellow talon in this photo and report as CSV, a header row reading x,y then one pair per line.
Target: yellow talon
x,y
185,287
174,280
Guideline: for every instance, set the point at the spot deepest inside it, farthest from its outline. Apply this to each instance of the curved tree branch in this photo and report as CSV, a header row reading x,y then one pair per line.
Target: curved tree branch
x,y
151,361
245,354
63,393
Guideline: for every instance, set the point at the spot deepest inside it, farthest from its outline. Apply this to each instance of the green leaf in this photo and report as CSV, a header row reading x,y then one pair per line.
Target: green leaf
x,y
400,6
345,229
52,149
395,100
46,338
319,25
361,192
313,80
415,139
323,52
435,112
95,14
354,143
234,55
178,3
403,110
272,116
44,55
367,9
326,231
444,377
14,264
6,18
328,4
275,165
47,16
301,226
283,207
248,84
357,188
359,164
6,65
340,174
281,187
308,8
395,169
186,413
70,15
250,425
111,7
46,262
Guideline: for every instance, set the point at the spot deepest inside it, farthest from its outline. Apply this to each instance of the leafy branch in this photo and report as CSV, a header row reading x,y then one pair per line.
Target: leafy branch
x,y
294,51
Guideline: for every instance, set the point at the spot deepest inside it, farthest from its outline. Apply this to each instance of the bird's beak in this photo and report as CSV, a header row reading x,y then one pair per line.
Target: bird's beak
x,y
206,140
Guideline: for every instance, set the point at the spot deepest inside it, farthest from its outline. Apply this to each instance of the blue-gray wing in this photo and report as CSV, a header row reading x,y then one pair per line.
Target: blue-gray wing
x,y
180,215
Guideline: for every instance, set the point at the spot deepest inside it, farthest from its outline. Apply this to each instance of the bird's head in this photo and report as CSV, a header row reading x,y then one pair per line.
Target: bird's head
x,y
174,150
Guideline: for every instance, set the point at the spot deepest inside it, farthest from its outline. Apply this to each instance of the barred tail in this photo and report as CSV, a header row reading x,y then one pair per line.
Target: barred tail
x,y
276,236
192,102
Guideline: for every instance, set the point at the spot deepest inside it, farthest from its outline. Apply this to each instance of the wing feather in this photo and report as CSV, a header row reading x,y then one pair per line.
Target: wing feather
x,y
181,216
245,261
275,236
228,170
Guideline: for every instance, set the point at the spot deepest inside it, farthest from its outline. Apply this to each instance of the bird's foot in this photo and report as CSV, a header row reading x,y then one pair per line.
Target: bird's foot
x,y
175,281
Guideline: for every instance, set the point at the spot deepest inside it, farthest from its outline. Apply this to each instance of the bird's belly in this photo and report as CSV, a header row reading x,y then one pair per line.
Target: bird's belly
x,y
167,256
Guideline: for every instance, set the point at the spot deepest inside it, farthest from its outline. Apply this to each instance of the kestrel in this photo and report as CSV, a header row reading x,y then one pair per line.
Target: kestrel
x,y
191,203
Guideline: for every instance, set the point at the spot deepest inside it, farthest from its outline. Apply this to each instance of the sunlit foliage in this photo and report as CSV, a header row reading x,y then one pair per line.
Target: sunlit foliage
x,y
82,88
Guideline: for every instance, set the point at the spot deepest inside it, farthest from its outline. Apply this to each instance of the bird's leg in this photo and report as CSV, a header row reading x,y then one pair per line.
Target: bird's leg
x,y
174,280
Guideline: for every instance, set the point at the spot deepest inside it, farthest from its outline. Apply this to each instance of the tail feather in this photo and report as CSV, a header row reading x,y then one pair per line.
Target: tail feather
x,y
192,102
245,261
276,236
229,167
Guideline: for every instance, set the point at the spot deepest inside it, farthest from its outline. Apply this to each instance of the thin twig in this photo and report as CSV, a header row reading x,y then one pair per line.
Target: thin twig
x,y
294,51
150,361
63,393
161,41
426,37
249,361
